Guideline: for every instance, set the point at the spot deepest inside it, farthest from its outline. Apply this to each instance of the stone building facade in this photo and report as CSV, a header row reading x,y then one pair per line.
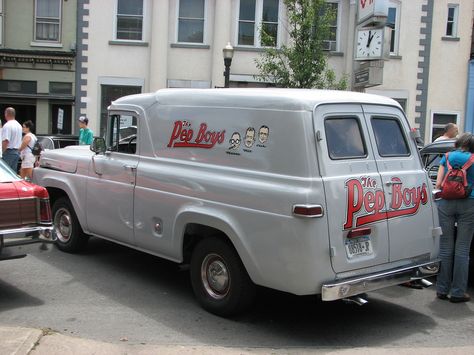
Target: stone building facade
x,y
38,62
132,46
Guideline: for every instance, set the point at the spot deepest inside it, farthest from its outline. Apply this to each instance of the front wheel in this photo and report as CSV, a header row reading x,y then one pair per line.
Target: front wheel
x,y
219,279
70,236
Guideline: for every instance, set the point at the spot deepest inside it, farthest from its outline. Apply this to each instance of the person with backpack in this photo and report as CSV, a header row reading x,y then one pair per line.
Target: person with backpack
x,y
26,154
456,208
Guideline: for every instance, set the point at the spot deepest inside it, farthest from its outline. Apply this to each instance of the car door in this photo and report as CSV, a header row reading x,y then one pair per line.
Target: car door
x,y
111,184
406,186
358,233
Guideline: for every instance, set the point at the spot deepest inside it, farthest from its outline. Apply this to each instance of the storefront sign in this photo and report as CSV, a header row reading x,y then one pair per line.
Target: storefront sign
x,y
367,77
60,119
368,9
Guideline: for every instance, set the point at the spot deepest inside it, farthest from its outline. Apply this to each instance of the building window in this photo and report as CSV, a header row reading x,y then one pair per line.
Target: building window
x,y
191,21
111,93
48,20
67,123
1,22
402,102
18,86
60,88
393,21
258,23
331,43
129,20
452,22
439,120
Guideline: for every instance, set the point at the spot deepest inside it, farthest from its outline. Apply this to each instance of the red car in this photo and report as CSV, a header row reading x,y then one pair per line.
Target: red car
x,y
25,214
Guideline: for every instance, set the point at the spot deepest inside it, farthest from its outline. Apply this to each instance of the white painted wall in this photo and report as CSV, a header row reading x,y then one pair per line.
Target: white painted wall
x,y
162,60
107,60
449,61
400,72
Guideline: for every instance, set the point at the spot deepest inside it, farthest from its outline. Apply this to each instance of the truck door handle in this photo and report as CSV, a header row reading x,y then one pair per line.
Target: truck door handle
x,y
389,183
131,167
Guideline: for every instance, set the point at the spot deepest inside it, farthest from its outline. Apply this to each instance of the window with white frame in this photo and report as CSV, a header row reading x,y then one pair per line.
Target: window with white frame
x,y
258,23
1,22
440,120
191,21
330,44
393,21
129,22
452,21
48,20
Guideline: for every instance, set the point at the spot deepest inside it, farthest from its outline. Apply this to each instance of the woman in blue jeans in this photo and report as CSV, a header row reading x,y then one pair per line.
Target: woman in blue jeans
x,y
455,246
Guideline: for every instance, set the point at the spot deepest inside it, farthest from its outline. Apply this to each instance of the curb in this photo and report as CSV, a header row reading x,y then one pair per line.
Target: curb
x,y
18,341
29,341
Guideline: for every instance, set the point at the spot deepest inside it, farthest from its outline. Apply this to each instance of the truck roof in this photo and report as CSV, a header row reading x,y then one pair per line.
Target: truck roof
x,y
283,99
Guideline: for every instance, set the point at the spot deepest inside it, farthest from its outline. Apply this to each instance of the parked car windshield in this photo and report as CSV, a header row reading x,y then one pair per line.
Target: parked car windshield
x,y
7,174
46,143
57,141
431,155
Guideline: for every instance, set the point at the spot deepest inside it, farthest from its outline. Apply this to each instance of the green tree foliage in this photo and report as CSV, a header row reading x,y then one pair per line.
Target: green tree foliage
x,y
303,62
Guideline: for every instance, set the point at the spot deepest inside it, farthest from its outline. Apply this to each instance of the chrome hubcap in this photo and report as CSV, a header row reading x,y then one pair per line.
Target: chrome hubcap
x,y
215,276
63,225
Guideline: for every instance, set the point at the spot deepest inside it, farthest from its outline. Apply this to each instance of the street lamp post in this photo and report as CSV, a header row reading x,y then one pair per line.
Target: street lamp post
x,y
228,53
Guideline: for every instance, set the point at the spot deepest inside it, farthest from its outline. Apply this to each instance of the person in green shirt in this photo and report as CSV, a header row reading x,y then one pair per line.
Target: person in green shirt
x,y
85,133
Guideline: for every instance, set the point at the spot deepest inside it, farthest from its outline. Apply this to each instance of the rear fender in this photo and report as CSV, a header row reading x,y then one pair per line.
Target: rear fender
x,y
217,220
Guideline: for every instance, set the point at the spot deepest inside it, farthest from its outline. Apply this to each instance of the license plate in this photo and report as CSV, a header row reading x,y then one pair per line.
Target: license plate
x,y
358,246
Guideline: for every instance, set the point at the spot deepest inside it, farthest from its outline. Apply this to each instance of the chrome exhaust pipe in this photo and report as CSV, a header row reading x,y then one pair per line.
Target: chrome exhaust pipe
x,y
425,283
358,300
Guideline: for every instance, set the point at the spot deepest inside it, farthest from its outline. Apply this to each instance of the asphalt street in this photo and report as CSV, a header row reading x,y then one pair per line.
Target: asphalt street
x,y
114,294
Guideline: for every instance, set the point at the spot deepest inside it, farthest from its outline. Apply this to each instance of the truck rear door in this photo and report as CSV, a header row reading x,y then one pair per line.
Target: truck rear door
x,y
405,183
358,231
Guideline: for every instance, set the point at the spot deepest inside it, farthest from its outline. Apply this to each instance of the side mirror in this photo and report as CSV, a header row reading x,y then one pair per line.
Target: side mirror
x,y
98,145
416,136
415,133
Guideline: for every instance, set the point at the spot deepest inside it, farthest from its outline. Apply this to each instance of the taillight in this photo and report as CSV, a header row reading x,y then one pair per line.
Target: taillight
x,y
309,211
44,208
45,211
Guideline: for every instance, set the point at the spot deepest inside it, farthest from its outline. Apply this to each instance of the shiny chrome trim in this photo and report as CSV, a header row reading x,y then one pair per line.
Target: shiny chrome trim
x,y
41,229
435,194
308,206
354,286
18,199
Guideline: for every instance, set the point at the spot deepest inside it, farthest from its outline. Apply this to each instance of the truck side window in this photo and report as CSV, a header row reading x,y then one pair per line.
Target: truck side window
x,y
344,138
122,136
389,137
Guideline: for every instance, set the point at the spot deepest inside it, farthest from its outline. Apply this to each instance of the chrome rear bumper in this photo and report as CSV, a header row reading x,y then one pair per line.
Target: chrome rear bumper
x,y
354,286
43,229
12,241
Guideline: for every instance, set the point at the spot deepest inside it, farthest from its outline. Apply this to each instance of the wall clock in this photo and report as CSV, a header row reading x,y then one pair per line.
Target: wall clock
x,y
369,43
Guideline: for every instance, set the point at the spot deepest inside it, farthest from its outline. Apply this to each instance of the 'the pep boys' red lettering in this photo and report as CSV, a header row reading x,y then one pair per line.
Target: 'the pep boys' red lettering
x,y
183,136
366,203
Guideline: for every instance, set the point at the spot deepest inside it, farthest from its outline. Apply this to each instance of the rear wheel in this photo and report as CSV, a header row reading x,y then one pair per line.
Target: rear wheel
x,y
70,236
219,279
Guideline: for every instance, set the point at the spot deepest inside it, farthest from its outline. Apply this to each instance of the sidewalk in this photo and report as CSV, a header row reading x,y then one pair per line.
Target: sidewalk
x,y
22,341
